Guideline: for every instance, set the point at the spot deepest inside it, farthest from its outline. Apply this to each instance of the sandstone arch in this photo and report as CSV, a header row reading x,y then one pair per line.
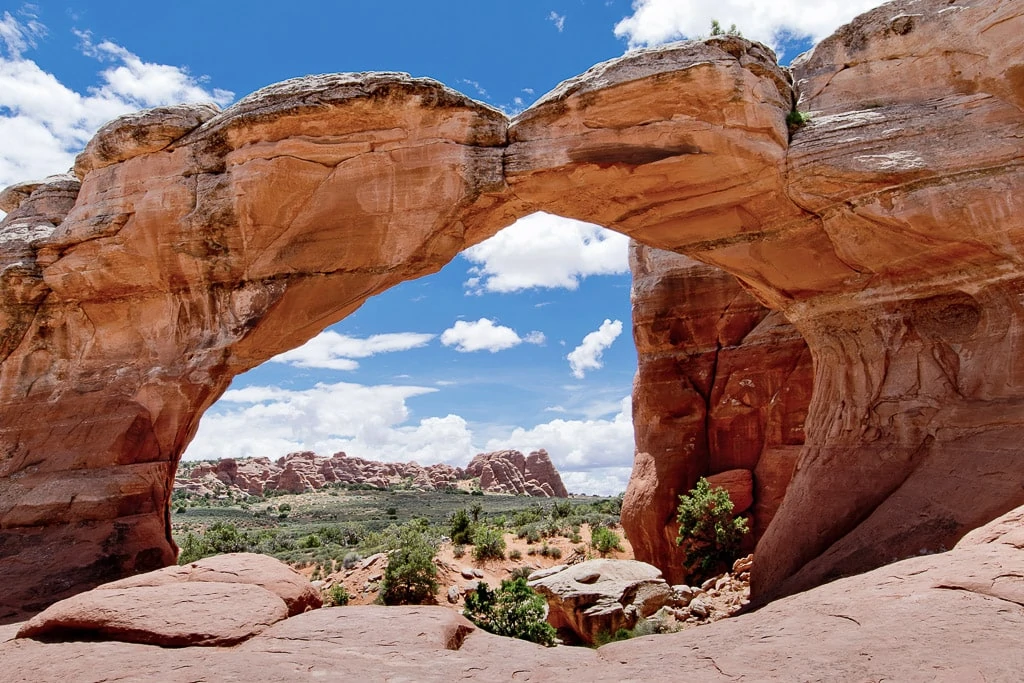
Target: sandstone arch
x,y
201,243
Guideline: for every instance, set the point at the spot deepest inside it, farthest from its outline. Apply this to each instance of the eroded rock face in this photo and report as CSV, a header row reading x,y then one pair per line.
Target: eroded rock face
x,y
887,230
722,386
512,472
501,472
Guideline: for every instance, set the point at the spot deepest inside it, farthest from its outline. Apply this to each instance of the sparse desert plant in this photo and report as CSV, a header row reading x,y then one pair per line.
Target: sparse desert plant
x,y
411,575
514,610
521,572
717,30
604,540
488,544
337,595
708,534
460,527
515,554
459,550
351,559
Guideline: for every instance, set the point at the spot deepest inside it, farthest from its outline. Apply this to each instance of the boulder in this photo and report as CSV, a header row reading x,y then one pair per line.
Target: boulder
x,y
601,596
175,614
242,568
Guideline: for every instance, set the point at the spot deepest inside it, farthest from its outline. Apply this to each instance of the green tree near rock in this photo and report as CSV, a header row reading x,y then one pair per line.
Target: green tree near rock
x,y
411,575
708,533
514,610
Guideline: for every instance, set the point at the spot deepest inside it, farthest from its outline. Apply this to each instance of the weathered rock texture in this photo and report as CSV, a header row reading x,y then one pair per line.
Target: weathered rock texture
x,y
598,597
500,472
512,472
958,616
722,387
888,230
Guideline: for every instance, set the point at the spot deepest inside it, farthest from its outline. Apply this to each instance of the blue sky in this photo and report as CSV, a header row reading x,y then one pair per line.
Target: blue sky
x,y
524,341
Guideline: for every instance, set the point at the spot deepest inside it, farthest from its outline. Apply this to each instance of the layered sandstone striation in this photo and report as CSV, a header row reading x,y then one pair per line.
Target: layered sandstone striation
x,y
508,472
721,391
958,616
201,243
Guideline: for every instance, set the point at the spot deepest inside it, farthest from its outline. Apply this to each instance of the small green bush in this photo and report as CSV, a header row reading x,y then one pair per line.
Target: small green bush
x,y
604,540
515,554
514,610
795,119
460,527
459,550
351,559
411,575
337,596
488,544
708,533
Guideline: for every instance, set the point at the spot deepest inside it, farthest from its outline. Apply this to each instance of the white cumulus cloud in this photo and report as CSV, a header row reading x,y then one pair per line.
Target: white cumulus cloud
x,y
44,124
658,21
485,335
592,455
363,421
332,351
587,356
544,250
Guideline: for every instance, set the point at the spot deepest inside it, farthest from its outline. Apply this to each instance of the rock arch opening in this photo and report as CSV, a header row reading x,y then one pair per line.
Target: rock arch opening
x,y
195,244
486,355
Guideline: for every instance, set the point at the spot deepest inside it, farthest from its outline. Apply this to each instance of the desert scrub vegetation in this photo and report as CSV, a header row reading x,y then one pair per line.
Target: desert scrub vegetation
x,y
330,528
604,540
513,610
410,577
488,543
708,533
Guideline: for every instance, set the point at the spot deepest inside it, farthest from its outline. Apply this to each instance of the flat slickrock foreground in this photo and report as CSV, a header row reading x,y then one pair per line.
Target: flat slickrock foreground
x,y
955,616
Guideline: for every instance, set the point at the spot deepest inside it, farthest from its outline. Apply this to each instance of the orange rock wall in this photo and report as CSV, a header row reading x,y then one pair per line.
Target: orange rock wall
x,y
722,386
888,230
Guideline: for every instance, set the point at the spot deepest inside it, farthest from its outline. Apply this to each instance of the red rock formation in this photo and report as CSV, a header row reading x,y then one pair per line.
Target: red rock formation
x,y
502,472
722,385
888,230
511,472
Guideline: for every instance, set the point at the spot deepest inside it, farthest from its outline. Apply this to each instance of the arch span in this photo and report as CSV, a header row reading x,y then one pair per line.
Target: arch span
x,y
201,243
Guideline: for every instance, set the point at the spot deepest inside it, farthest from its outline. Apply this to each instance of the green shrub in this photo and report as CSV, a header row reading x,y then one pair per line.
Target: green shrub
x,y
488,544
604,540
459,550
309,542
351,559
530,532
795,118
522,572
337,596
561,509
708,534
514,610
603,637
460,527
717,30
515,554
411,576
